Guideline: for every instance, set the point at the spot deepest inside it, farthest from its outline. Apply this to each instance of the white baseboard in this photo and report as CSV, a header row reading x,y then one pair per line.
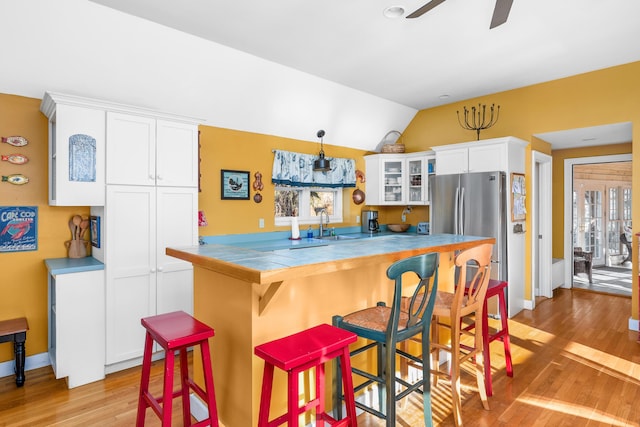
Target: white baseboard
x,y
199,408
528,304
31,362
634,325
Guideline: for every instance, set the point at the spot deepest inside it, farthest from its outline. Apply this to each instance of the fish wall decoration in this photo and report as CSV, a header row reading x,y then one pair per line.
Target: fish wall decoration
x,y
16,141
16,159
16,179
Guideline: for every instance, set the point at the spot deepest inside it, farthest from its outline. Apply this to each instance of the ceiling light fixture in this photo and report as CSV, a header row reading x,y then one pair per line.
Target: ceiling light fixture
x,y
393,12
321,164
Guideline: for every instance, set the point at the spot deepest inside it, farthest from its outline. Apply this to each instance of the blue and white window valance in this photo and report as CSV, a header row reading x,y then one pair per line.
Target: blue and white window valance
x,y
296,170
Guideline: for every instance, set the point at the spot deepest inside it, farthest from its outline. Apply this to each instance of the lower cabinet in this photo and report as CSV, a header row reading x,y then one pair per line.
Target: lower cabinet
x,y
76,320
141,281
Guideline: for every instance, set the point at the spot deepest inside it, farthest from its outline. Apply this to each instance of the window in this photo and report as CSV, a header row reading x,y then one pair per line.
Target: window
x,y
306,203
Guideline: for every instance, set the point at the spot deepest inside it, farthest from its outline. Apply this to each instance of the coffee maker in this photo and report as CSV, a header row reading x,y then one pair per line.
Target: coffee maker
x,y
370,221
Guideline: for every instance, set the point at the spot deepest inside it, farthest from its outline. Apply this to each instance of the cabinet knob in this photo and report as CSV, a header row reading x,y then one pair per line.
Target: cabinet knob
x,y
152,176
153,270
159,177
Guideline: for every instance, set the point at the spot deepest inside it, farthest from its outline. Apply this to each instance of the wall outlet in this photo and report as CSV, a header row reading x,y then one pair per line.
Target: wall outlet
x,y
261,223
357,219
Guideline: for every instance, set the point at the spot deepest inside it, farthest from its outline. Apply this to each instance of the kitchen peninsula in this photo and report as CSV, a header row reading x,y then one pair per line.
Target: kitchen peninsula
x,y
254,293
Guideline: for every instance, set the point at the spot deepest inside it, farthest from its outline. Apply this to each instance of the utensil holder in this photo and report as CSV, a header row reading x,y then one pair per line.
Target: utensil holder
x,y
76,248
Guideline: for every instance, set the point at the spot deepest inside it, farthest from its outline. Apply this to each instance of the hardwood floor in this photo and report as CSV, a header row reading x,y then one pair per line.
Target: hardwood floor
x,y
575,364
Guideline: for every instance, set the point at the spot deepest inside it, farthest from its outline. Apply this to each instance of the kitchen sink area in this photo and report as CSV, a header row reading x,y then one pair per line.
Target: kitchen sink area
x,y
338,237
278,244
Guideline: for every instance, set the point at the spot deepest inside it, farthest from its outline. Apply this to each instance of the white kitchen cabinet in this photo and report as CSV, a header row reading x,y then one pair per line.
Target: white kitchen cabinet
x,y
76,150
145,150
140,222
76,319
488,155
398,179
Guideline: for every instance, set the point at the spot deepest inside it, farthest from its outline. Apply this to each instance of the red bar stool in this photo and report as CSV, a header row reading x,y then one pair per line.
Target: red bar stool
x,y
496,287
176,332
298,353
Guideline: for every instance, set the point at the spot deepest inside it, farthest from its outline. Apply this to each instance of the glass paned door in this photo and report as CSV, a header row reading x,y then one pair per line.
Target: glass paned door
x,y
589,221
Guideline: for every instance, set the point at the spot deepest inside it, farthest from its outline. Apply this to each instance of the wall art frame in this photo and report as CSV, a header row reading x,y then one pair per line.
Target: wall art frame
x,y
94,225
234,184
518,197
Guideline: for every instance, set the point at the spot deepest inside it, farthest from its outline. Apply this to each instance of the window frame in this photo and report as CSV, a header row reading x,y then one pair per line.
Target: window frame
x,y
304,214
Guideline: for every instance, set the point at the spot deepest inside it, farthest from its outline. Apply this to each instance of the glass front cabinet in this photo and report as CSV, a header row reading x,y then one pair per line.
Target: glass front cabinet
x,y
398,179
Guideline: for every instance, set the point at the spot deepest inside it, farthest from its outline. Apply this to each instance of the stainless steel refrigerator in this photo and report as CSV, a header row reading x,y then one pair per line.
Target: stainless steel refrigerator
x,y
472,204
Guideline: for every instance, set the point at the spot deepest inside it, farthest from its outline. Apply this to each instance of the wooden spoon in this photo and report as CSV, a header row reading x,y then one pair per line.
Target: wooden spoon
x,y
77,220
84,224
72,228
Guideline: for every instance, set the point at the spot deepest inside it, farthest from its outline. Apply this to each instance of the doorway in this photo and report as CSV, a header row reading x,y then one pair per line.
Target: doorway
x,y
541,282
598,224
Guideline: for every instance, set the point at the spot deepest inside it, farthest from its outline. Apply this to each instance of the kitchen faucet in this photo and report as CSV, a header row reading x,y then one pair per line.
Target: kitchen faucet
x,y
322,225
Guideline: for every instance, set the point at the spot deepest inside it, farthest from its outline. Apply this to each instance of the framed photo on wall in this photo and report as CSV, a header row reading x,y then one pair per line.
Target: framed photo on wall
x,y
518,197
94,225
234,185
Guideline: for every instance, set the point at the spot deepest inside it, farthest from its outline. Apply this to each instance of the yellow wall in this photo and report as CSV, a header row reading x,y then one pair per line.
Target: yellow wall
x,y
602,97
229,149
23,275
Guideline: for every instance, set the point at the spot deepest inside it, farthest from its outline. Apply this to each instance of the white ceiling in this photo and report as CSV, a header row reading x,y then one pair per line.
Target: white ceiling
x,y
616,133
449,54
291,67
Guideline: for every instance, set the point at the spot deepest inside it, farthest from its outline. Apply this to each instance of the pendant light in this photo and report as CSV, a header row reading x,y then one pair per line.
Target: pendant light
x,y
321,164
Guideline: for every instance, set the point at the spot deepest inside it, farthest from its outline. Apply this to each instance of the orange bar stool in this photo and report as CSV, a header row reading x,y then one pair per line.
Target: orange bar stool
x,y
298,353
496,288
176,332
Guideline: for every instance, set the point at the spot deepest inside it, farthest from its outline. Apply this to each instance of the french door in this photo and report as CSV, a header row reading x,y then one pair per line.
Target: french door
x,y
588,220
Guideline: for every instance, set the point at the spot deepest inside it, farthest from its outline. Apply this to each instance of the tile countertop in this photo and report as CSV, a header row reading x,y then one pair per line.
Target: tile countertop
x,y
72,265
269,261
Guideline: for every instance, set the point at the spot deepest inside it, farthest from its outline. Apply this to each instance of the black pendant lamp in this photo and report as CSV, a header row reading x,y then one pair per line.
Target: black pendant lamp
x,y
321,164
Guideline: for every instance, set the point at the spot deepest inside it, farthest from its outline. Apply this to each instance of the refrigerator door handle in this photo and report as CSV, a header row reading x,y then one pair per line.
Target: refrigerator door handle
x,y
456,211
461,211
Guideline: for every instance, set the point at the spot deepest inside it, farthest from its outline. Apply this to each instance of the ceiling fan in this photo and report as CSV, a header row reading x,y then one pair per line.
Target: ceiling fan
x,y
500,12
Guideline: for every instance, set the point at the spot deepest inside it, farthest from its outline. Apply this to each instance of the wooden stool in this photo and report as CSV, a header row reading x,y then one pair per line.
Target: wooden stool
x,y
496,287
300,352
176,331
15,330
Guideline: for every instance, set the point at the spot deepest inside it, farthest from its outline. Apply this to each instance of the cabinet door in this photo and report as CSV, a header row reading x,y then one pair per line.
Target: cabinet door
x,y
130,255
177,210
131,142
393,181
453,161
77,157
78,307
176,154
417,181
487,158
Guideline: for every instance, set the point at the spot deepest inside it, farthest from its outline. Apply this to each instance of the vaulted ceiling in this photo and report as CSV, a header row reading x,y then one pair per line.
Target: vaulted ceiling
x,y
448,54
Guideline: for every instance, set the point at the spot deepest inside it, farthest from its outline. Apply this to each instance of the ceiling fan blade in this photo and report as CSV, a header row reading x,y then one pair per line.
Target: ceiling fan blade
x,y
501,12
424,9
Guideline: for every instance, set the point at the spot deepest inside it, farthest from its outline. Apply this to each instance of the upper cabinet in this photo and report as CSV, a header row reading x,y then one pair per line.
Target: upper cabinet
x,y
143,150
489,155
76,151
398,179
93,143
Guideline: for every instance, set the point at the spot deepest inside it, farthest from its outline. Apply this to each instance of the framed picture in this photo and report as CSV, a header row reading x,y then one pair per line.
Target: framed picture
x,y
95,231
518,197
19,225
235,185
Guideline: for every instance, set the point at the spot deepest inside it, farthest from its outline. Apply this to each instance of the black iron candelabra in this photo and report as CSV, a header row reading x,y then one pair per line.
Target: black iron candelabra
x,y
476,119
